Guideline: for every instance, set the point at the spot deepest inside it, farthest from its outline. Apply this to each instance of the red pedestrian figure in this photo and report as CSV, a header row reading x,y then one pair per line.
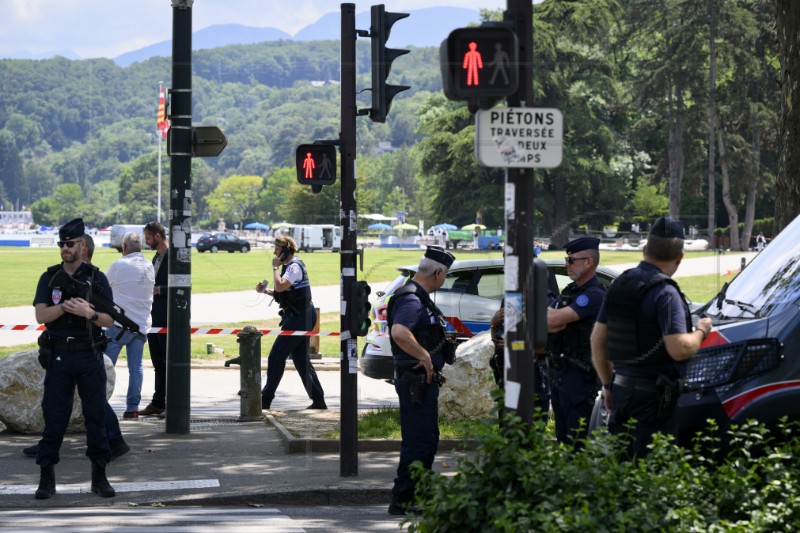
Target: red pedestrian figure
x,y
472,62
309,166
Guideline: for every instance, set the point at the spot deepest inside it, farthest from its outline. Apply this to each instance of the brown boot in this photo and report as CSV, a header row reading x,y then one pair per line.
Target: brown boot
x,y
100,484
47,483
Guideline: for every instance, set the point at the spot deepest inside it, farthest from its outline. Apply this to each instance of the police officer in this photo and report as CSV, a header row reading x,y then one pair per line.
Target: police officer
x,y
292,291
570,320
642,338
71,350
419,347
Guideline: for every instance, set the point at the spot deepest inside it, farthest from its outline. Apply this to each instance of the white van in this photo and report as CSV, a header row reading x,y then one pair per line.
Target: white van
x,y
318,237
118,231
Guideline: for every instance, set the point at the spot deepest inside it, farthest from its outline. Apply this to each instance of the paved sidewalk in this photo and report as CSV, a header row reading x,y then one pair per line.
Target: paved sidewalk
x,y
221,461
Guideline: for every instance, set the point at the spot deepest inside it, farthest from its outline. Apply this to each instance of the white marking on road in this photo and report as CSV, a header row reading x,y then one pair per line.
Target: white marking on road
x,y
80,488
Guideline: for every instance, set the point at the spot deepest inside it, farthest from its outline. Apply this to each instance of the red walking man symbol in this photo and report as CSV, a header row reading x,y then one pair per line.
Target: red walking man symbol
x,y
472,62
309,166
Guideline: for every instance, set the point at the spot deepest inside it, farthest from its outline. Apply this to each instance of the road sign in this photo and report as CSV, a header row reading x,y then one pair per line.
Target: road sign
x,y
208,141
519,137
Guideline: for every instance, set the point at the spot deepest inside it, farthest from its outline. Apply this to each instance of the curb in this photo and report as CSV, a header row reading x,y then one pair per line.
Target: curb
x,y
294,444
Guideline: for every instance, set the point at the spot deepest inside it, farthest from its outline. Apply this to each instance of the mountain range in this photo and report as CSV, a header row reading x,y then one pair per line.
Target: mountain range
x,y
424,27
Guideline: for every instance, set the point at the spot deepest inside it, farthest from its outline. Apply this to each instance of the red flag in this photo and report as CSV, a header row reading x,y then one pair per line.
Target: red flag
x,y
161,120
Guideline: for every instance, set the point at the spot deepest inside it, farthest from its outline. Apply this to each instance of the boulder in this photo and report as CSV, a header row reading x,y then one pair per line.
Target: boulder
x,y
467,393
21,387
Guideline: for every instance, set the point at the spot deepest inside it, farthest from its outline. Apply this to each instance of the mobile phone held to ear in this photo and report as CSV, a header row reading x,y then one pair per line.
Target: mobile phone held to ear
x,y
284,255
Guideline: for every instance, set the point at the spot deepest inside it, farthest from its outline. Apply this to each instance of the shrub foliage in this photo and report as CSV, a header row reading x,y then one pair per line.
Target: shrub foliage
x,y
522,480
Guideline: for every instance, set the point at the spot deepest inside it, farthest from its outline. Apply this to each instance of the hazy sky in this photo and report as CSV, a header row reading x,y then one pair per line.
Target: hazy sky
x,y
108,28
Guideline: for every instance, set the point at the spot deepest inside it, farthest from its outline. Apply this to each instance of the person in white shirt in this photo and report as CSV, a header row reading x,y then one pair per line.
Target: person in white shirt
x,y
132,278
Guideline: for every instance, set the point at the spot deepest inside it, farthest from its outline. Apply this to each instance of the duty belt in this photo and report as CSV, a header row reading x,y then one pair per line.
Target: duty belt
x,y
640,384
71,344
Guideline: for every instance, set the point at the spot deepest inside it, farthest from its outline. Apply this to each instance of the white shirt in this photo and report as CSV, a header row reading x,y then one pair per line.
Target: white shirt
x,y
132,278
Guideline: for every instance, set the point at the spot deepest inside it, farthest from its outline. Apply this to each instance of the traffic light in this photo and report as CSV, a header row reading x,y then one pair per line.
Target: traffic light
x,y
359,309
480,63
316,164
382,58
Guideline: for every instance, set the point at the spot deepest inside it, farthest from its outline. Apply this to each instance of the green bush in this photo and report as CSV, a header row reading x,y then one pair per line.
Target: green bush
x,y
521,480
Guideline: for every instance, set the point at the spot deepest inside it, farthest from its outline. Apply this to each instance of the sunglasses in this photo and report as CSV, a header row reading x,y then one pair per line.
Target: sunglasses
x,y
571,260
68,244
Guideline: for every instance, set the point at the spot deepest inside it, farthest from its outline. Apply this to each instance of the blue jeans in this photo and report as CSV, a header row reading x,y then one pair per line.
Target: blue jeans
x,y
134,347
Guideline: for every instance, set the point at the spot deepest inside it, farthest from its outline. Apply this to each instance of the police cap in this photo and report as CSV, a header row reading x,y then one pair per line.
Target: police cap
x,y
438,254
668,228
582,243
71,230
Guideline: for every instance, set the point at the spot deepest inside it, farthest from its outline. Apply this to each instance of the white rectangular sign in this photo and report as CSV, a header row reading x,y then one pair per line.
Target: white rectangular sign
x,y
519,137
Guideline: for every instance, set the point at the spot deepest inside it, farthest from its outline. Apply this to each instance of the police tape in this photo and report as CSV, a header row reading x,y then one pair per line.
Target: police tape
x,y
200,331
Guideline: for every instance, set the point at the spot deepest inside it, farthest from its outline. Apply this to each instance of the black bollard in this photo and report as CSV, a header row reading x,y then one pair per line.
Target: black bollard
x,y
249,362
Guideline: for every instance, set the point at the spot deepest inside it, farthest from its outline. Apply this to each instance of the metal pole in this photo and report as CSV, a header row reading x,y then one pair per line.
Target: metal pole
x,y
180,223
348,450
519,205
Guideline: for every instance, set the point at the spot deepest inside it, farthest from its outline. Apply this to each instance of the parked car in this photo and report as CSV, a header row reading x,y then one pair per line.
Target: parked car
x,y
747,367
214,242
469,298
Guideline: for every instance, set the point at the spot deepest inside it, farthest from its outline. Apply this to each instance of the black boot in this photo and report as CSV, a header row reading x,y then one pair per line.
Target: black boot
x,y
100,484
47,483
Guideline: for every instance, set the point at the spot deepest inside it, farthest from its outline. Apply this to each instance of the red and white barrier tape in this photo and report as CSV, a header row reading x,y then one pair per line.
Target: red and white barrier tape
x,y
199,331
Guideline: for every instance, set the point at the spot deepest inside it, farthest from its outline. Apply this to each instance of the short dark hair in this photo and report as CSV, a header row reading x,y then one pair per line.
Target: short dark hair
x,y
155,228
663,248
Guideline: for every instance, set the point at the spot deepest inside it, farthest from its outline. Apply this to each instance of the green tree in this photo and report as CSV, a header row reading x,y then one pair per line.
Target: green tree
x,y
235,199
648,203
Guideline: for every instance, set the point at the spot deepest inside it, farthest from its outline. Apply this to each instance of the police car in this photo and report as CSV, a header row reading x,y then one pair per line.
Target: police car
x,y
469,298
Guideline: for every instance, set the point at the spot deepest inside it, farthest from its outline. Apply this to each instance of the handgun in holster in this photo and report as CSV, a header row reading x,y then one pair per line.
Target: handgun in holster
x,y
419,383
668,391
45,351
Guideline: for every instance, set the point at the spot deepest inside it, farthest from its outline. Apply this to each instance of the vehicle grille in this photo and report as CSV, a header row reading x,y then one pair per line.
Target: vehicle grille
x,y
727,364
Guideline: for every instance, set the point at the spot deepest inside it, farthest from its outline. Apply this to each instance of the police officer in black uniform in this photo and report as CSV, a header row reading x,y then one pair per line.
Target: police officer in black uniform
x,y
420,349
292,291
570,320
71,350
643,337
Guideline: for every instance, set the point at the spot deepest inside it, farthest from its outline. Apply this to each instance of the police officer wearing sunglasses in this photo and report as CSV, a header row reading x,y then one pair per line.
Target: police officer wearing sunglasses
x,y
570,320
71,351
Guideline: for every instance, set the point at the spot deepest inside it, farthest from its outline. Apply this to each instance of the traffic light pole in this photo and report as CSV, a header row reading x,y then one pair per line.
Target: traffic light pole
x,y
348,449
521,374
180,222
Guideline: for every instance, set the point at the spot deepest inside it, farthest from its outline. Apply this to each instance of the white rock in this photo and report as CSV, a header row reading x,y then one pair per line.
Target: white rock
x,y
467,393
21,388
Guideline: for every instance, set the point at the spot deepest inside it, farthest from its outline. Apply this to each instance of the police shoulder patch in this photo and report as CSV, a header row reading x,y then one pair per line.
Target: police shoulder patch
x,y
582,300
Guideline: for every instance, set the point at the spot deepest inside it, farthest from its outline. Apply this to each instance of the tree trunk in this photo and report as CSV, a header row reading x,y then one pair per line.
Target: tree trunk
x,y
730,207
712,107
752,189
675,155
560,234
787,182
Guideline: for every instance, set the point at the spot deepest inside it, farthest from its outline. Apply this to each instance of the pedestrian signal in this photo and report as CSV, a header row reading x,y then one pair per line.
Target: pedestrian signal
x,y
316,164
480,62
360,307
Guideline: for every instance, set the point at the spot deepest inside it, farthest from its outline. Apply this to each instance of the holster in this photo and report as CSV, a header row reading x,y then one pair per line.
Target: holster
x,y
418,384
449,351
45,351
668,391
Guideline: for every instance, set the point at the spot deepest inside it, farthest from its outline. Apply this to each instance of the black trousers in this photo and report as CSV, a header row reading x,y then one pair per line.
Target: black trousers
x,y
157,343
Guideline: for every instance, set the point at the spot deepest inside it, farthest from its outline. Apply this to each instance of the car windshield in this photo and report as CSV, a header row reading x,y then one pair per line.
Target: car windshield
x,y
769,282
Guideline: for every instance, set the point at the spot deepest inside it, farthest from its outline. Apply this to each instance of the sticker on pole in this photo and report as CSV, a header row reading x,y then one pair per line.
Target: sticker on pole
x,y
519,137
